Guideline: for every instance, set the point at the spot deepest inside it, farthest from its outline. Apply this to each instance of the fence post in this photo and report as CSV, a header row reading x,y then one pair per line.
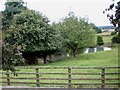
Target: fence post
x,y
69,77
8,77
103,78
37,77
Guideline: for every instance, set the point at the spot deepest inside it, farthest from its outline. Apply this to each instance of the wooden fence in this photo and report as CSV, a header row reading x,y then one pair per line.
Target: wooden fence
x,y
66,77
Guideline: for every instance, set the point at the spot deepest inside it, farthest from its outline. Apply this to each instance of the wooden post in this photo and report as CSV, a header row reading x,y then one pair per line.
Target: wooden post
x,y
37,77
8,77
118,62
69,77
103,78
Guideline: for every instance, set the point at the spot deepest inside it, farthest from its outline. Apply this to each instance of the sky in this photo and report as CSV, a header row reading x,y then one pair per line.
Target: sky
x,y
56,10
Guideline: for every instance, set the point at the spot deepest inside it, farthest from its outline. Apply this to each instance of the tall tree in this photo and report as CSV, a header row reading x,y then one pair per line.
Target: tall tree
x,y
12,7
35,37
10,54
77,33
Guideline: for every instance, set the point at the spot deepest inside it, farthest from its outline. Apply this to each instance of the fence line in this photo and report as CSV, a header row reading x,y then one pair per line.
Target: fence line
x,y
41,80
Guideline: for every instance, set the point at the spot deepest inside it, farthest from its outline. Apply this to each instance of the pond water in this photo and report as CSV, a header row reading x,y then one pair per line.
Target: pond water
x,y
87,50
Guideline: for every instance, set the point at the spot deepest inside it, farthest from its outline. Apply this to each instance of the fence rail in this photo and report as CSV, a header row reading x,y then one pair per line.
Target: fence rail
x,y
68,77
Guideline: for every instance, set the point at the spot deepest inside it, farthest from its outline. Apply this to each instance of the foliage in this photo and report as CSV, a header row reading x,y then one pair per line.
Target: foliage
x,y
115,16
96,28
113,33
10,53
32,33
116,39
11,9
11,57
100,40
77,33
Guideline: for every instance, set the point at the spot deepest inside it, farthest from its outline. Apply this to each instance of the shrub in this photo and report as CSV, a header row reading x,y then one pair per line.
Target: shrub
x,y
116,39
113,33
100,40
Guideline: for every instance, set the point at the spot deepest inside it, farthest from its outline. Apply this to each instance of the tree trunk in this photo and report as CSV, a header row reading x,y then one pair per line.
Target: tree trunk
x,y
44,59
74,52
36,61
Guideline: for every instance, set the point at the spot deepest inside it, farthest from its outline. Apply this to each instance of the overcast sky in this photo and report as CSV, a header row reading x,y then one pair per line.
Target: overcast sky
x,y
58,9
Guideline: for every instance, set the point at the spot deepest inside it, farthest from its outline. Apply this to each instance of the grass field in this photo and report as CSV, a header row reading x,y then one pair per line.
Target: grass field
x,y
101,58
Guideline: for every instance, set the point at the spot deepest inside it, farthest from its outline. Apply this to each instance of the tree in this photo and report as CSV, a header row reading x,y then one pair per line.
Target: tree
x,y
114,17
10,54
96,28
77,33
0,50
12,8
11,57
113,33
116,39
100,40
35,37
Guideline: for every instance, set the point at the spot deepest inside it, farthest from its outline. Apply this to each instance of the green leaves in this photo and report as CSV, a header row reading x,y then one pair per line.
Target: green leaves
x,y
33,33
100,40
10,57
12,8
77,33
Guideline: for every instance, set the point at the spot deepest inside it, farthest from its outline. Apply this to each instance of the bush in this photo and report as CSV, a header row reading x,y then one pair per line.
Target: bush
x,y
98,31
116,39
113,33
100,40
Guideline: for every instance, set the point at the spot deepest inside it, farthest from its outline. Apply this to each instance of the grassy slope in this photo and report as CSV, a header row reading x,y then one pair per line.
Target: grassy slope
x,y
102,58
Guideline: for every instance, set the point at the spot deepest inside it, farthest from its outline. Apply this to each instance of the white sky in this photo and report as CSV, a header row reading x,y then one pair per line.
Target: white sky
x,y
58,9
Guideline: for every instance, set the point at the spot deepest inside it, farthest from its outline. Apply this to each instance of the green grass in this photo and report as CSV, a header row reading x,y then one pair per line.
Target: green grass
x,y
102,58
98,59
107,39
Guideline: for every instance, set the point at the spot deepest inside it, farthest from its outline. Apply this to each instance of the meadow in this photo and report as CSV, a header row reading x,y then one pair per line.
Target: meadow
x,y
98,59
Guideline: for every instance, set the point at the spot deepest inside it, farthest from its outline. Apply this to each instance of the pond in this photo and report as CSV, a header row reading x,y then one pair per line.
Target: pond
x,y
87,50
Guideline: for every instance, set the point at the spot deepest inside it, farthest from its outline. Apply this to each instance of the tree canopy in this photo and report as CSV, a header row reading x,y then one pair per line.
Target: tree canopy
x,y
32,33
114,19
11,9
115,16
77,33
10,54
